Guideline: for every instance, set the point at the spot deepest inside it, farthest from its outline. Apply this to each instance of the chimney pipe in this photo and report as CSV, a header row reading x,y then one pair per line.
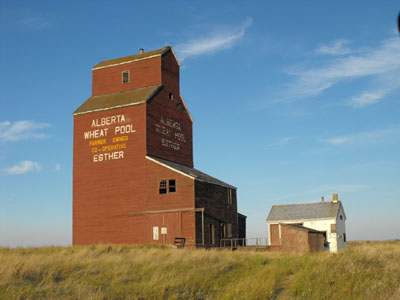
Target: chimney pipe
x,y
322,199
335,198
141,50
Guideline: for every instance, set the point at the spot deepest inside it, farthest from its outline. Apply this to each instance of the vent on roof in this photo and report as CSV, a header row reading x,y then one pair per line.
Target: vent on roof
x,y
141,50
322,199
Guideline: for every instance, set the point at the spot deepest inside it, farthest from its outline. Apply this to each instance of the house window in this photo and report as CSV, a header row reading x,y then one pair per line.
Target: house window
x,y
170,96
223,233
344,237
341,217
230,196
125,76
333,228
163,187
229,229
171,186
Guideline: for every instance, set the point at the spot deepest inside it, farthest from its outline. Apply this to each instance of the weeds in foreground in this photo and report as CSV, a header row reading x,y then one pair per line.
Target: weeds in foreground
x,y
366,270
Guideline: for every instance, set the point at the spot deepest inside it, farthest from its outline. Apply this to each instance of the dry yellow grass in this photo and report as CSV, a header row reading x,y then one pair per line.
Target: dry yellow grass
x,y
366,270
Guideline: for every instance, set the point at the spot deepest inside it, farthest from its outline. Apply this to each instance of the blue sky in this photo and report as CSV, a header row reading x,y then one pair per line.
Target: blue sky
x,y
291,101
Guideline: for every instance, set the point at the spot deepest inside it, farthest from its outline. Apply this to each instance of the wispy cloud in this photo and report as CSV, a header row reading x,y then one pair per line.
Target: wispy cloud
x,y
337,140
376,64
23,167
19,130
213,42
337,47
34,23
281,142
57,168
379,136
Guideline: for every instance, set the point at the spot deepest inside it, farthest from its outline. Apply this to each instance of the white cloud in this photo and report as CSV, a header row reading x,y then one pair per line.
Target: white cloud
x,y
57,168
376,64
23,167
34,23
371,137
213,43
19,130
337,140
337,47
283,141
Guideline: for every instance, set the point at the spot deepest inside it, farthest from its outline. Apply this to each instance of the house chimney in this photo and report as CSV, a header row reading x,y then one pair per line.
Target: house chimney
x,y
141,50
322,199
335,198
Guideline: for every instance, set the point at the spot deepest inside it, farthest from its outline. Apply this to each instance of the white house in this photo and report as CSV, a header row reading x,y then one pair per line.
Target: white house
x,y
327,217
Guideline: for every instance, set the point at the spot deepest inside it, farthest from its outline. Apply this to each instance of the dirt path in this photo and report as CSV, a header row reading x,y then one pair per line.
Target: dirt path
x,y
282,292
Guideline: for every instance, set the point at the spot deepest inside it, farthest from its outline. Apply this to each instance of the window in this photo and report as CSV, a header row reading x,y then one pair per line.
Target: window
x,y
171,188
344,237
163,187
333,228
171,185
230,196
223,233
341,217
125,76
229,229
170,96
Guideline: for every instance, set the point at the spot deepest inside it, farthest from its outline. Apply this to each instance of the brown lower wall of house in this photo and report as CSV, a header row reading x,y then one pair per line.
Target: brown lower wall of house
x,y
316,241
293,239
274,234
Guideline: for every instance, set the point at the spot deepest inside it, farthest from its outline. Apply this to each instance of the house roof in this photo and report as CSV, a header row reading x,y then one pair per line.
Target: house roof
x,y
304,211
190,172
119,99
131,58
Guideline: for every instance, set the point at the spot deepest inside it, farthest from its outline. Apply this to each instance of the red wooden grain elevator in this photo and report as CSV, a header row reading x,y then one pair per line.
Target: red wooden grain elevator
x,y
133,175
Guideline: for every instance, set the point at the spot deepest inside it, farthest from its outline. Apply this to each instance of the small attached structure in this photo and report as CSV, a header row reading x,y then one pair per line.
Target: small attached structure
x,y
326,218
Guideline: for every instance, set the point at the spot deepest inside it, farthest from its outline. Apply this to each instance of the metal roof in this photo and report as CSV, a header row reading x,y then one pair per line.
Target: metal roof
x,y
190,172
304,211
131,58
119,99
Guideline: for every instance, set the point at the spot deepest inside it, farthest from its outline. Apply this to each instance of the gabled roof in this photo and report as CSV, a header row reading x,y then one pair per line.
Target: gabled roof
x,y
119,99
189,172
135,57
304,211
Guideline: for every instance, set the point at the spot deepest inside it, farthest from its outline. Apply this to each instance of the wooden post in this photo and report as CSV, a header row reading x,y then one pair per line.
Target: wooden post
x,y
202,226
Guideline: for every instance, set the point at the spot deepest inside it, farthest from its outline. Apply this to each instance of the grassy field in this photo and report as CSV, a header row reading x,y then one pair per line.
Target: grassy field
x,y
366,270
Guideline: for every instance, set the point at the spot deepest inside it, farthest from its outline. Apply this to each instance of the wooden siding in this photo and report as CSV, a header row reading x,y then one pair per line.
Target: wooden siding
x,y
169,130
241,226
294,239
316,241
105,192
170,74
214,199
274,234
142,73
179,224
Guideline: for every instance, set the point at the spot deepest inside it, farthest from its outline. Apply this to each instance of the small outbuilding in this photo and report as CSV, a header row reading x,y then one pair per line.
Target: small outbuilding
x,y
298,226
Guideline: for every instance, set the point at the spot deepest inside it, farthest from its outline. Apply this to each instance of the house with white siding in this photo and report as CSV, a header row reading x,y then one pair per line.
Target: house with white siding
x,y
324,216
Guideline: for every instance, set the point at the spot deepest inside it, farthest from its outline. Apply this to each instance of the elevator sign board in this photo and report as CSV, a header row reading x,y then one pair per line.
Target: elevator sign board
x,y
107,138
